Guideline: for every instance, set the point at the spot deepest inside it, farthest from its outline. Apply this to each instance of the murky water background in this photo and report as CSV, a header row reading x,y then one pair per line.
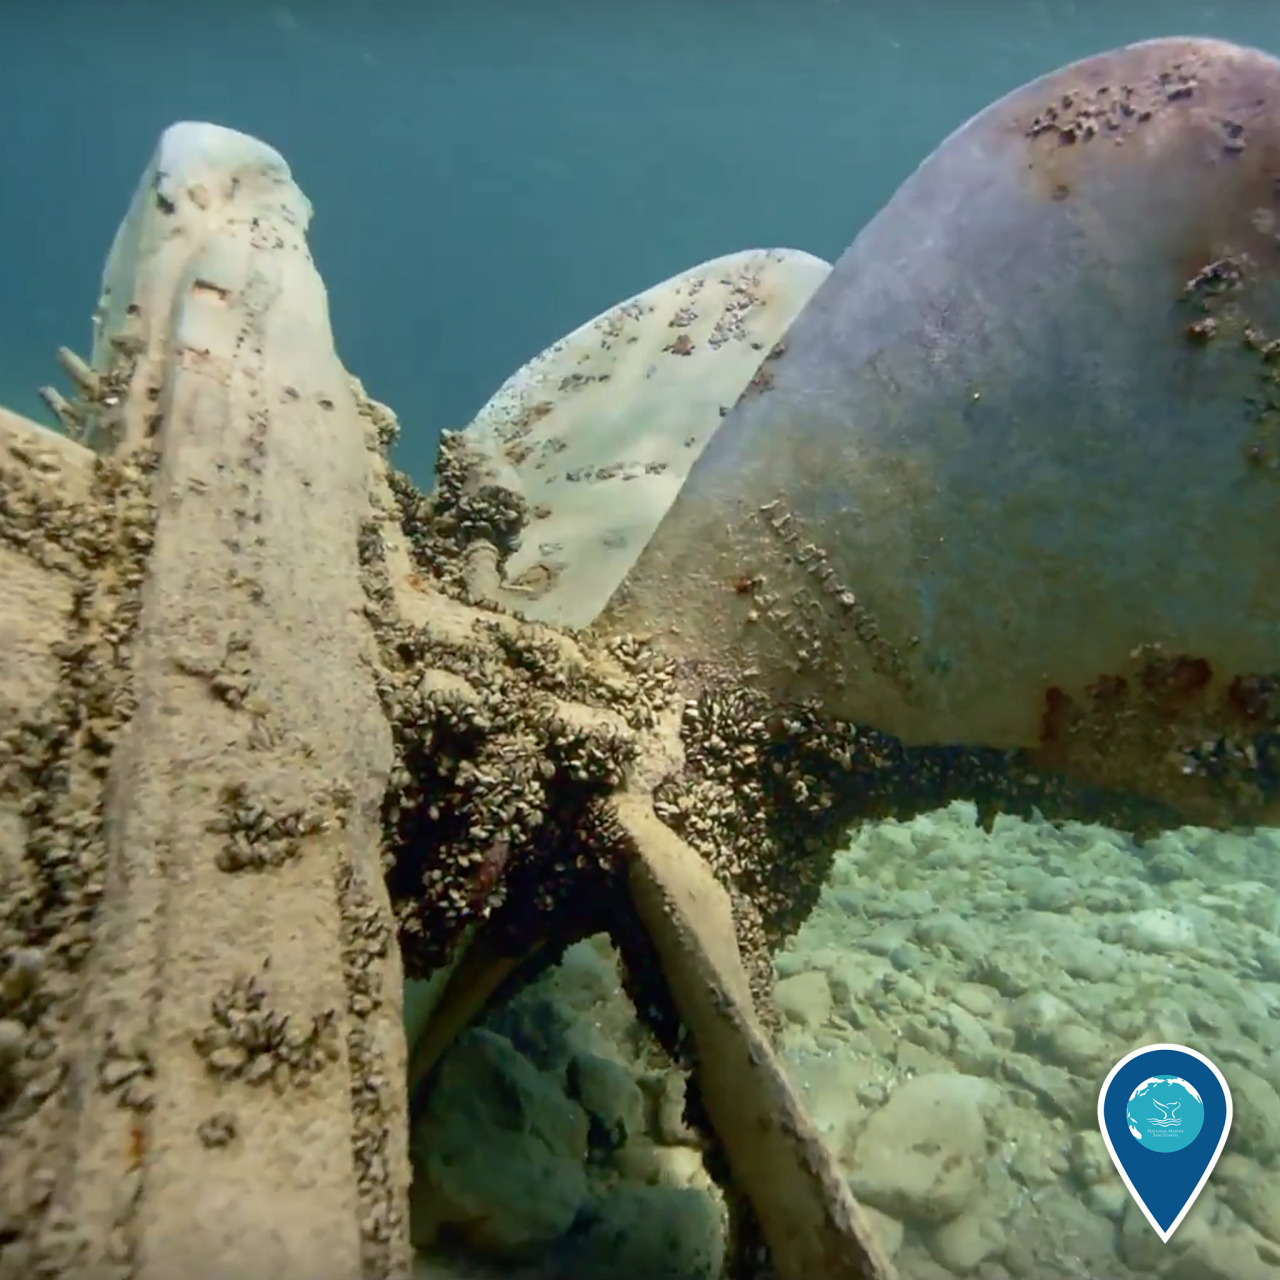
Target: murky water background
x,y
488,174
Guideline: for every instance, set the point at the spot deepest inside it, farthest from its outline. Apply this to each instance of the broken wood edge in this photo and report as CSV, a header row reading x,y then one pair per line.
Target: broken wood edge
x,y
814,1227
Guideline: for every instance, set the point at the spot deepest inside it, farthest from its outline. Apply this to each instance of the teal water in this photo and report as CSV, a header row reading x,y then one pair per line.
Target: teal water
x,y
488,174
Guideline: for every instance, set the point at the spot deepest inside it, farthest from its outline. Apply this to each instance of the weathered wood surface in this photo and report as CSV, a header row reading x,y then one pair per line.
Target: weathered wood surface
x,y
219,1016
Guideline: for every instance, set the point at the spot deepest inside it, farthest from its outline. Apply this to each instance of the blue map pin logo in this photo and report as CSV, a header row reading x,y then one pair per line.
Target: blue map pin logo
x,y
1164,1112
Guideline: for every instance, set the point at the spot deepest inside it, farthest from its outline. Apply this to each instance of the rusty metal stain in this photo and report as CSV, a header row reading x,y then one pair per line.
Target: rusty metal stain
x,y
1168,726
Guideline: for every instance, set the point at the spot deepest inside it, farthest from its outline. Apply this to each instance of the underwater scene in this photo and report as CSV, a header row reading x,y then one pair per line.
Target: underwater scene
x,y
640,643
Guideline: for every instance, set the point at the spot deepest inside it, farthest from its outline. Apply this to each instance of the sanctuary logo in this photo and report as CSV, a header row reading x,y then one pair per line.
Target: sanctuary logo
x,y
1164,1112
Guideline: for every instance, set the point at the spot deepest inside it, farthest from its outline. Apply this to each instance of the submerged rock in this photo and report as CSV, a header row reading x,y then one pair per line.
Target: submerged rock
x,y
636,1231
501,1153
1046,1198
921,1155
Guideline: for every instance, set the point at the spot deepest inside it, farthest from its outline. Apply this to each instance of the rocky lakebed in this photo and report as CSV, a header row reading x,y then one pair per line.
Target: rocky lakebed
x,y
950,1011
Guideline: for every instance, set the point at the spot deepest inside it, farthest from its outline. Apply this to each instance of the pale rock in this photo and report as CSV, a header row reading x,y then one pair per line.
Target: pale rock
x,y
1089,1159
1144,1251
788,963
1036,1015
578,1005
950,930
903,988
1266,956
914,903
1055,893
964,1243
1018,1258
887,938
829,1085
887,1232
1268,1250
1056,1090
1077,1047
1220,1257
1270,1068
890,841
1234,1169
1158,931
915,1060
1072,1242
1209,1017
804,999
855,976
1032,1165
974,998
1256,1199
1166,1022
1255,1125
1108,1199
915,1264
971,1047
667,1099
919,1156
1013,971
1090,959
646,1162
587,975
